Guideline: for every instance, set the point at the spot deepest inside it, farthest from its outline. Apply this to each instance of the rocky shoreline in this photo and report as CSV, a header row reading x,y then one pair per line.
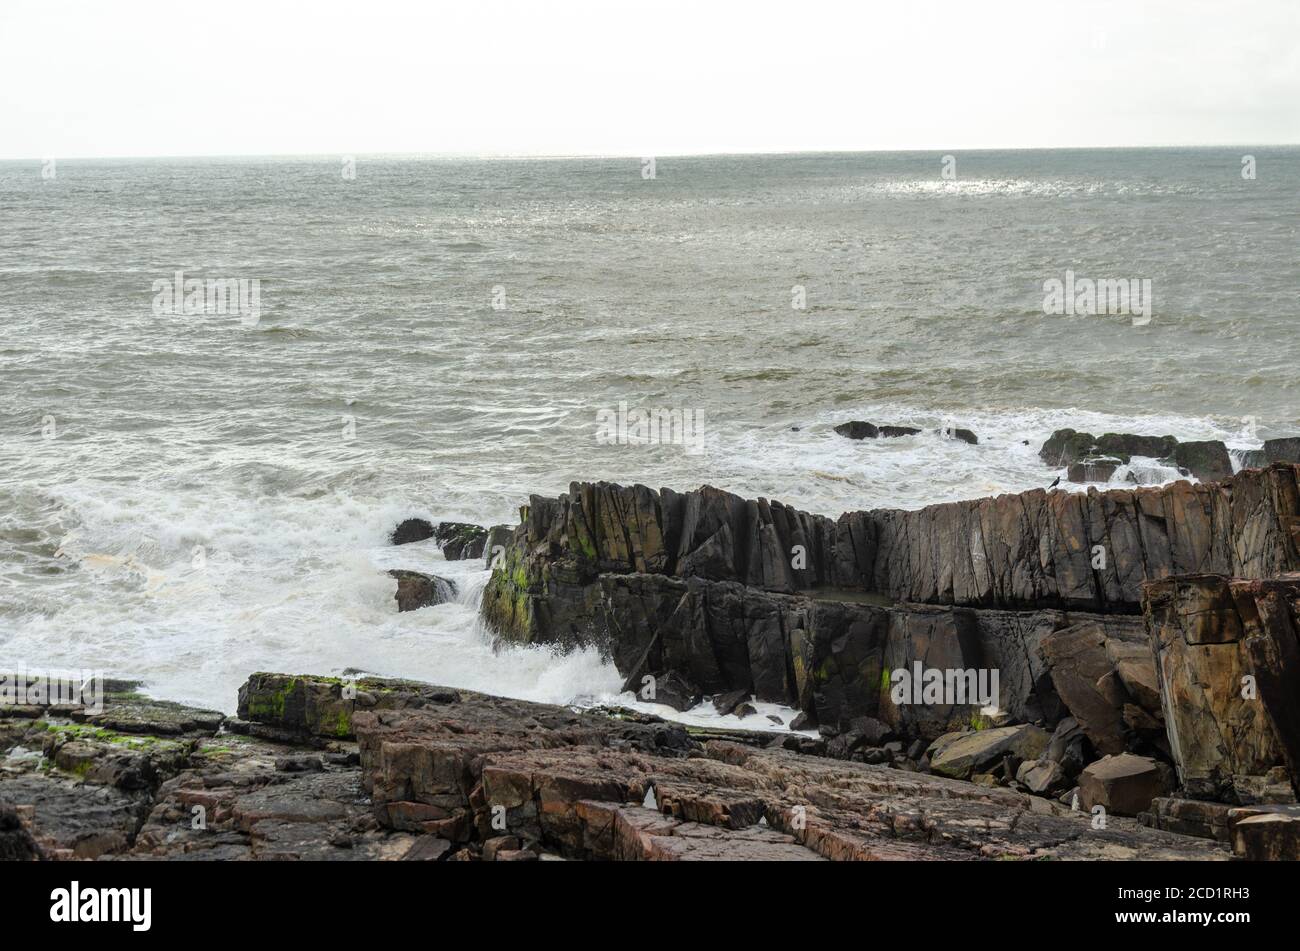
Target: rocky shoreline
x,y
1140,645
328,769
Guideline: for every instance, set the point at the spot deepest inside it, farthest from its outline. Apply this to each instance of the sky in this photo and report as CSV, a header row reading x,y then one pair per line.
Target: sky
x,y
554,77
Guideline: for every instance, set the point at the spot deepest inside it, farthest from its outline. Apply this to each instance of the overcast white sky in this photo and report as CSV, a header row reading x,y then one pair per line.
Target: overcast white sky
x,y
152,77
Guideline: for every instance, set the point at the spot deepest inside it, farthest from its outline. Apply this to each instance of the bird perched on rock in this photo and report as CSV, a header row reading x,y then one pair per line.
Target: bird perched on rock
x,y
1055,482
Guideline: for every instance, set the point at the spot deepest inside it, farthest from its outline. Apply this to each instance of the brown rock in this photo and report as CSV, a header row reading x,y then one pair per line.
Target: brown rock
x,y
1124,784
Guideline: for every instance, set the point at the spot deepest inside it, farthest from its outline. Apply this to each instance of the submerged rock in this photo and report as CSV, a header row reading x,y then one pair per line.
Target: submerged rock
x,y
411,530
857,429
416,590
1066,447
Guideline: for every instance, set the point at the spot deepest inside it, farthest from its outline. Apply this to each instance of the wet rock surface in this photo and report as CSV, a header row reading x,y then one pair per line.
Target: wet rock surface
x,y
416,590
460,540
411,530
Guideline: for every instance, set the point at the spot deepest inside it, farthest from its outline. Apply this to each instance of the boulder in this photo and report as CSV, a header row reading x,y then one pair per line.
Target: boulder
x,y
1267,836
726,703
857,429
1043,777
959,755
1208,460
460,540
892,432
416,590
1083,661
675,690
411,530
965,435
1124,784
1069,747
1066,446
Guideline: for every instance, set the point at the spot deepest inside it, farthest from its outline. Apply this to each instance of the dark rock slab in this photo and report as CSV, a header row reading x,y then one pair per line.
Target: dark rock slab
x,y
411,530
857,429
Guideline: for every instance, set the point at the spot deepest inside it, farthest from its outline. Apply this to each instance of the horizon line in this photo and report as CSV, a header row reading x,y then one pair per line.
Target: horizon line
x,y
573,156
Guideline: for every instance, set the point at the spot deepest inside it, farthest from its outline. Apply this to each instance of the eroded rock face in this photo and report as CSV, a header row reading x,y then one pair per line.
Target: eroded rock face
x,y
834,659
1219,730
1083,551
1100,667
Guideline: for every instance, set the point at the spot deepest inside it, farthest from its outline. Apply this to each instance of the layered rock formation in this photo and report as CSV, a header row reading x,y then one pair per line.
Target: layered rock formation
x,y
322,768
1084,551
728,596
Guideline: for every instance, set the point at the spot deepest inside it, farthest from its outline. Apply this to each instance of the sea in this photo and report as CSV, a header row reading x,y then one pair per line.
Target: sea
x,y
223,381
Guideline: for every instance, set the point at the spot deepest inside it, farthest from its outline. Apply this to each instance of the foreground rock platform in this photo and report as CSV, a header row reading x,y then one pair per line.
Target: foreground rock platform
x,y
322,768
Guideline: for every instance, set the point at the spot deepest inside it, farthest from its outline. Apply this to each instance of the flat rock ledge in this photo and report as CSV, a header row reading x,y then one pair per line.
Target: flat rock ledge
x,y
322,768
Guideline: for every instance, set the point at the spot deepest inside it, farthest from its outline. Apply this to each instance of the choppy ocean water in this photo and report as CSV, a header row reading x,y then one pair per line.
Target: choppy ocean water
x,y
190,497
